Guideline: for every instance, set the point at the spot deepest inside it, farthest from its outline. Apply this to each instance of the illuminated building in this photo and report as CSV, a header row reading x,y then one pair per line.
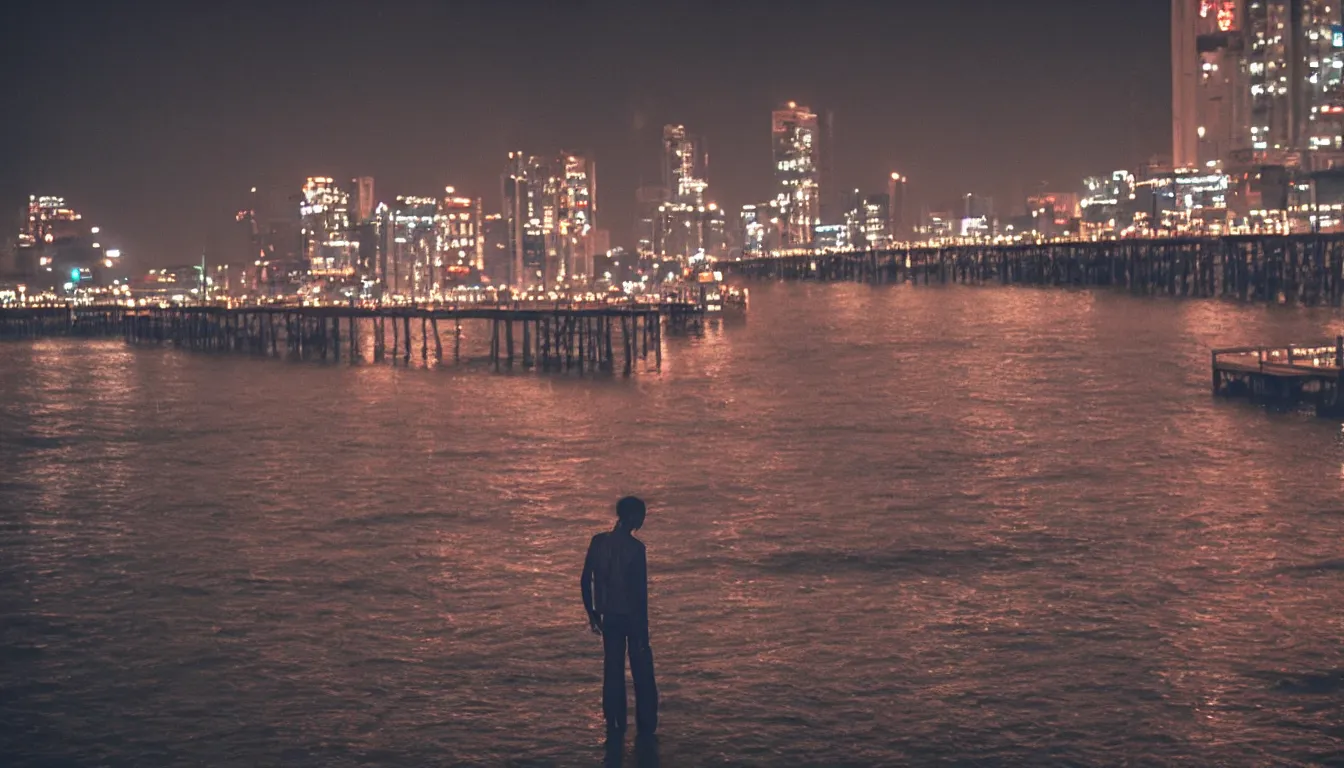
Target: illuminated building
x,y
650,221
937,225
1052,213
684,164
57,250
457,249
411,243
1209,89
794,145
1257,83
687,230
686,225
368,239
362,202
832,237
760,229
898,221
551,209
49,219
572,195
495,252
1189,201
325,228
1323,44
525,187
1109,204
866,222
978,220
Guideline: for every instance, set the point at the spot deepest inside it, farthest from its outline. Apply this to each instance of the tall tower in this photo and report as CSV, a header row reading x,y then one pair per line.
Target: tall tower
x,y
683,166
1184,79
361,199
1215,71
898,225
527,217
794,143
575,193
1321,132
324,212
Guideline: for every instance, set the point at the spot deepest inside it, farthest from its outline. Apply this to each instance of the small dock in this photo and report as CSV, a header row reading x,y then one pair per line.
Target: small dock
x,y
1289,375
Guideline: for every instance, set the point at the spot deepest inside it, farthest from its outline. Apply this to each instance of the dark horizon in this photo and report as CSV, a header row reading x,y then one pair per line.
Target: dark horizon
x,y
155,120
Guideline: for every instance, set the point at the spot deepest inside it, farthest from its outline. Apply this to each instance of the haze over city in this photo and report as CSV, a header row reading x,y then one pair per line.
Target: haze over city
x,y
156,118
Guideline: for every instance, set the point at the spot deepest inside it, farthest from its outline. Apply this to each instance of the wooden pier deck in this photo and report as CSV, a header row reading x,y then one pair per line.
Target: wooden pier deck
x,y
1305,269
1286,375
596,337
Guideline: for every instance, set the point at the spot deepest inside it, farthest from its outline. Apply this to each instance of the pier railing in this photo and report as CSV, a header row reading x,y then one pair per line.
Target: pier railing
x,y
1322,356
1287,374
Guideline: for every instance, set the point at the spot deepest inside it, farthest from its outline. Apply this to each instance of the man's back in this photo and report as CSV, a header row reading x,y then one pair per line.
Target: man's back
x,y
619,572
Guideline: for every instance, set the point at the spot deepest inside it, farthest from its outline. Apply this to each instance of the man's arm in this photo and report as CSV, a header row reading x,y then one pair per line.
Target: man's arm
x,y
642,596
586,585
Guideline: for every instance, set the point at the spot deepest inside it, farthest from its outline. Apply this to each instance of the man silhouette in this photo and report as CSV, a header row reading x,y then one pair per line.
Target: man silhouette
x,y
616,596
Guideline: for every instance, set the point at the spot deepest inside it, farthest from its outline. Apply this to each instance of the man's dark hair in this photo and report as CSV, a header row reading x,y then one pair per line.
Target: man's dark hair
x,y
631,512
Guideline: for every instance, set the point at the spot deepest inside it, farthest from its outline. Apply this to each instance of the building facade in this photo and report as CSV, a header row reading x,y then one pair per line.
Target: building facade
x,y
794,145
324,213
1257,83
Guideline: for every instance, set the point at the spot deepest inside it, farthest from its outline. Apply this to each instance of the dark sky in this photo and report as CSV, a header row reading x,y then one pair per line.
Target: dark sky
x,y
156,118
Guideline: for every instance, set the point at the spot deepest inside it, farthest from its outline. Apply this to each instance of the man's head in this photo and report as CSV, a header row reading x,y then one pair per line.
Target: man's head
x,y
630,510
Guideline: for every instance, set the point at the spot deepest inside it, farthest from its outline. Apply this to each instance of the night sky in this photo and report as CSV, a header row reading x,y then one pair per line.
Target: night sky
x,y
154,119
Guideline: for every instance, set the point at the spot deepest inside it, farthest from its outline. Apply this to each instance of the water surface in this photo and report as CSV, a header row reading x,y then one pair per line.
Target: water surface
x,y
887,525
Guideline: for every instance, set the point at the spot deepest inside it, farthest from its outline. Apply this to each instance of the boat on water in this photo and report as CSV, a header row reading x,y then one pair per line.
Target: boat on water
x,y
707,288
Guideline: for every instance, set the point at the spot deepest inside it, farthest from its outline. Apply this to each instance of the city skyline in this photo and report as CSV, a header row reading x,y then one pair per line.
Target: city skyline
x,y
168,167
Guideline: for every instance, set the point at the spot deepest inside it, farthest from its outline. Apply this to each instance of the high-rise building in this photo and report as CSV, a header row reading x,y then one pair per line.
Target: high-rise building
x,y
794,144
362,201
650,221
324,211
497,262
683,166
411,244
1209,93
573,198
551,210
457,247
1257,83
1322,134
525,213
899,221
866,222
57,249
685,223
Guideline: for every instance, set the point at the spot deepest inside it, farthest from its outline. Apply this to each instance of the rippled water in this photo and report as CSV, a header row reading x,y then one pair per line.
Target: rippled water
x,y
888,525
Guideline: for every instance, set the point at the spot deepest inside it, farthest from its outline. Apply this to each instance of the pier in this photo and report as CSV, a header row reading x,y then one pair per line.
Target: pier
x,y
33,322
1302,269
583,338
1287,375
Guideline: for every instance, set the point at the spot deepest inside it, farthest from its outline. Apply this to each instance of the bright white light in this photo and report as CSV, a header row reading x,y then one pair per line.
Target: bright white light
x,y
93,230
114,253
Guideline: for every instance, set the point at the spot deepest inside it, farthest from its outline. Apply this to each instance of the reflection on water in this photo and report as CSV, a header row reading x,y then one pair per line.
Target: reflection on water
x,y
888,525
